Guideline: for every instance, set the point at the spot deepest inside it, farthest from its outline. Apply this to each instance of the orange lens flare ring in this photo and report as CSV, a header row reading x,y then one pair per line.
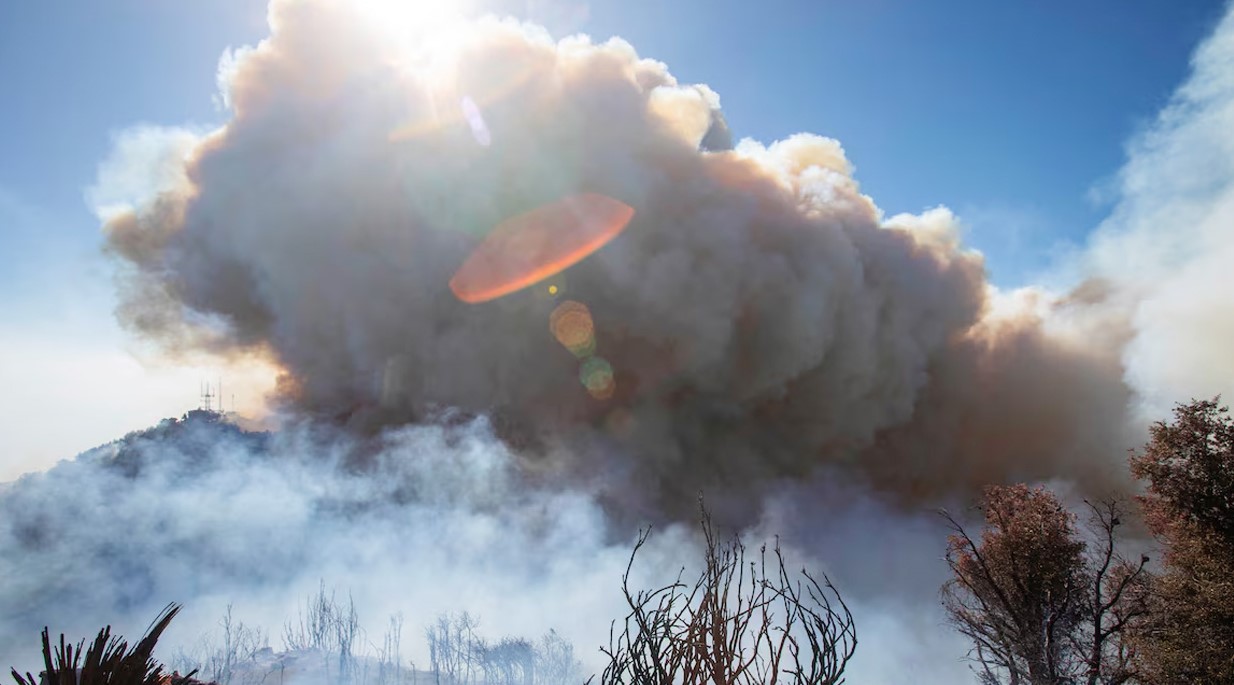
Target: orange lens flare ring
x,y
528,248
571,324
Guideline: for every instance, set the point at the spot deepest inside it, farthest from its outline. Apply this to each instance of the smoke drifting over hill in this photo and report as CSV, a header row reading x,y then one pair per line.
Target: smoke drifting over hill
x,y
442,519
761,317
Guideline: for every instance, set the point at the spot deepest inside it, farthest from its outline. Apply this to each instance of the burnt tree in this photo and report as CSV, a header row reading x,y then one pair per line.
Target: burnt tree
x,y
741,622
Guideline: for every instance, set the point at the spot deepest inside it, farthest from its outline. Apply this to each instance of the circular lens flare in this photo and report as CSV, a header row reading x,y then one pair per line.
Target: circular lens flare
x,y
596,375
573,327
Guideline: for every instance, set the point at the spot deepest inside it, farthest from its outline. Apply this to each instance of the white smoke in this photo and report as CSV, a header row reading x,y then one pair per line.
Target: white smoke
x,y
1166,248
440,520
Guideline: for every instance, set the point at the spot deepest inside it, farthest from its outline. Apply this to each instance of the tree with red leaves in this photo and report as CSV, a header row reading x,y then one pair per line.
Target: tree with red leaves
x,y
1189,506
1041,605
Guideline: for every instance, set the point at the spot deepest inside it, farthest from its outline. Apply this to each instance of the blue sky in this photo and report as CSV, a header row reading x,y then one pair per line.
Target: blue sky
x,y
1007,112
1010,113
1014,114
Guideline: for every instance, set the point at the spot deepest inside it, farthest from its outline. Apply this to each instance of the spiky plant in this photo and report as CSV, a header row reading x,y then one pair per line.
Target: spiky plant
x,y
108,661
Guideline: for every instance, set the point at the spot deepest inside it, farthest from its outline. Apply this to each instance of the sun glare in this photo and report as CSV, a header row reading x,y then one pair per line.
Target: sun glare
x,y
417,26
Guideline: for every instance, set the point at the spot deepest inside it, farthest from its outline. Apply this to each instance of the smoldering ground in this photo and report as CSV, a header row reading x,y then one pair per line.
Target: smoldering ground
x,y
820,370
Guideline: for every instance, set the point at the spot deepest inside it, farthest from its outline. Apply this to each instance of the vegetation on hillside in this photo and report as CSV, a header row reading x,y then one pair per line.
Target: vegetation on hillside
x,y
741,621
1046,597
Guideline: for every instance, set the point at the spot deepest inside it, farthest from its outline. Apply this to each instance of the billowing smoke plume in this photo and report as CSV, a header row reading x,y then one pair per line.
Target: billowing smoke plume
x,y
773,339
761,317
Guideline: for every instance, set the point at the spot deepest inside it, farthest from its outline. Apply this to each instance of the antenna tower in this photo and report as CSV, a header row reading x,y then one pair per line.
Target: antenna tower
x,y
207,398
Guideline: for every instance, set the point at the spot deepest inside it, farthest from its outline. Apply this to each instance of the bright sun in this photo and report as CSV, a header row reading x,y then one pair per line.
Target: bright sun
x,y
417,25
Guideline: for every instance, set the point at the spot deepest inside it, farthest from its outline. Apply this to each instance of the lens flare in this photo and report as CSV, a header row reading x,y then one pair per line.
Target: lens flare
x,y
479,129
571,324
539,244
596,375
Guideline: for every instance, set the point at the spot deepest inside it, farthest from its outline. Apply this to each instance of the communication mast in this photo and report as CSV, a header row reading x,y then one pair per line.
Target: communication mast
x,y
207,398
210,404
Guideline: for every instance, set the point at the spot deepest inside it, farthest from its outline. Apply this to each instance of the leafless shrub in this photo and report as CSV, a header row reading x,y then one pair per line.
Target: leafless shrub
x,y
510,661
222,662
555,661
454,649
329,627
389,654
1117,601
739,623
459,655
240,643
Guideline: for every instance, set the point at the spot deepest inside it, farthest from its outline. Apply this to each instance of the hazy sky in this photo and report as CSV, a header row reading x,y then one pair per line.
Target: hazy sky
x,y
1013,114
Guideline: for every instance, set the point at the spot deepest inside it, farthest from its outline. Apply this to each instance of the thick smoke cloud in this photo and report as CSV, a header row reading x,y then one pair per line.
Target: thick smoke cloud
x,y
818,368
761,316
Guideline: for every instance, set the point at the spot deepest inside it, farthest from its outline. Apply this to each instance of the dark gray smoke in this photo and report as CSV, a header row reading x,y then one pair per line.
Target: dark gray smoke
x,y
760,316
